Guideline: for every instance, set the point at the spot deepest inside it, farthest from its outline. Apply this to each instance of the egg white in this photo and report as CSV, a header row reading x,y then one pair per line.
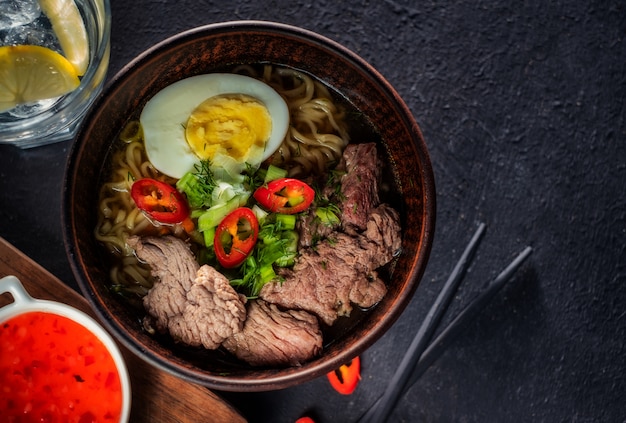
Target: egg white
x,y
164,116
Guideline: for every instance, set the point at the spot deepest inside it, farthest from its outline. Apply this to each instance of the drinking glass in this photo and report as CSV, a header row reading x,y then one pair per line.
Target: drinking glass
x,y
22,22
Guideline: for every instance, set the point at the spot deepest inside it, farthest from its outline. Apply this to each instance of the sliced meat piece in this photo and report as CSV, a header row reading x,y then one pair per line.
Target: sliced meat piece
x,y
382,235
340,270
322,280
353,188
214,311
367,292
273,337
195,305
311,229
174,267
359,185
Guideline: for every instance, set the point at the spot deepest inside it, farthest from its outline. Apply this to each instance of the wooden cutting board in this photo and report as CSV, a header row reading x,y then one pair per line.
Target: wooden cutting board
x,y
157,395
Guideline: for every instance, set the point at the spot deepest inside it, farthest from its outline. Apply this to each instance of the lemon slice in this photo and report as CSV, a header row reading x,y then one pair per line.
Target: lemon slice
x,y
69,28
32,73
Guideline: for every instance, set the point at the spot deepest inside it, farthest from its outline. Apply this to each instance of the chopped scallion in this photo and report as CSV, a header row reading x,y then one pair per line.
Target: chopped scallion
x,y
286,221
209,236
273,173
260,214
328,215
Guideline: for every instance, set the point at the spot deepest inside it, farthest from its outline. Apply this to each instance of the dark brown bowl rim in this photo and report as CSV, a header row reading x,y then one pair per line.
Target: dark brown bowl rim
x,y
306,373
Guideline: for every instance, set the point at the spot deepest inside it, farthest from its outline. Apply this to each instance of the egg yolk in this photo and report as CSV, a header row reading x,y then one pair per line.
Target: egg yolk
x,y
236,125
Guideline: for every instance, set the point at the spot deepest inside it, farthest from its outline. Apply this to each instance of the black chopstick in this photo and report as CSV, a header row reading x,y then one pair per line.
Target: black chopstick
x,y
449,334
445,338
398,382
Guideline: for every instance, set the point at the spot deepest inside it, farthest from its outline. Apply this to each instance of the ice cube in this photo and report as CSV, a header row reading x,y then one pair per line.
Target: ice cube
x,y
14,13
38,33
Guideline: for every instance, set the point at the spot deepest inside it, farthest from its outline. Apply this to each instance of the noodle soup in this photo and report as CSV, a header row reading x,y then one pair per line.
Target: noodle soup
x,y
322,123
373,112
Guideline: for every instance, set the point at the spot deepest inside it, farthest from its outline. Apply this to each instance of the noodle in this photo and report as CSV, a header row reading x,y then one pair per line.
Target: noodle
x,y
131,132
318,134
118,216
315,141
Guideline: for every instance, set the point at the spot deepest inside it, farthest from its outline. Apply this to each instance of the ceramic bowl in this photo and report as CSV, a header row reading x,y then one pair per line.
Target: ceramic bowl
x,y
210,49
78,364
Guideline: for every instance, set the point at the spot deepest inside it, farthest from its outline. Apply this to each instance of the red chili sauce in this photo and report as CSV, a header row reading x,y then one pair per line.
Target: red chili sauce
x,y
52,369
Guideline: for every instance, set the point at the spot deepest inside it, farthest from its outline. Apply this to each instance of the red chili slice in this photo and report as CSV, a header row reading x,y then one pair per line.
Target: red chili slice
x,y
345,379
162,202
305,419
286,195
235,237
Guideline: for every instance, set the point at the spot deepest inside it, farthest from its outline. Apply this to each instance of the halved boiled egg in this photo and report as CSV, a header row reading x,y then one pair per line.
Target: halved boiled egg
x,y
229,119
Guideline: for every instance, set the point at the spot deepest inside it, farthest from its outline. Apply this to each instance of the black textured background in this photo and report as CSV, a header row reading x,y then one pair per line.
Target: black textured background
x,y
522,108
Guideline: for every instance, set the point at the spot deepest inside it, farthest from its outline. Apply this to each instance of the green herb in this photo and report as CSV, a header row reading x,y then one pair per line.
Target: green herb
x,y
211,217
328,215
286,221
277,248
198,185
334,178
273,173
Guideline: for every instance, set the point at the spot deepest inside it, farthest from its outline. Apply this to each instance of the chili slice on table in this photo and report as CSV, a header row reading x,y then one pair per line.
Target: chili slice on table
x,y
285,195
345,379
161,201
235,237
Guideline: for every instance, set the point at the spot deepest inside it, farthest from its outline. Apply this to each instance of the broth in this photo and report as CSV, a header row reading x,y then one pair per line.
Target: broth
x,y
359,130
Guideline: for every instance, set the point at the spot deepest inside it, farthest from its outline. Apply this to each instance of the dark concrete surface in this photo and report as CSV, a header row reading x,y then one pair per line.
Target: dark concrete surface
x,y
522,108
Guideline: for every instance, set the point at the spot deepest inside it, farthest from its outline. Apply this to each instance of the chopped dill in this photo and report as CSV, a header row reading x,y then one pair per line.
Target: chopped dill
x,y
198,185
